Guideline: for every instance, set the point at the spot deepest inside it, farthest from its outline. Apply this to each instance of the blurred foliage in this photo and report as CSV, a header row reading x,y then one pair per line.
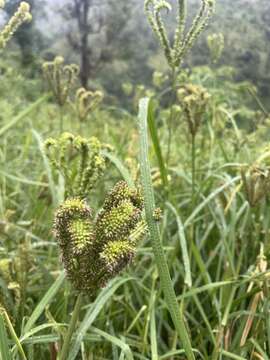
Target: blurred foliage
x,y
224,218
245,25
121,45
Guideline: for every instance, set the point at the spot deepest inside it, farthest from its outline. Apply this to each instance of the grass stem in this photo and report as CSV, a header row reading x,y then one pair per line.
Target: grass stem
x,y
72,326
193,171
170,120
163,269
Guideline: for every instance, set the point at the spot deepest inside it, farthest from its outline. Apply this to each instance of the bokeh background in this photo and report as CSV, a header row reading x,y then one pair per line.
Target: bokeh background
x,y
120,46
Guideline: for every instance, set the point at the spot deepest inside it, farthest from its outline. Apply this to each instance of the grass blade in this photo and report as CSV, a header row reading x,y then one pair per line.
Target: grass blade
x,y
44,302
156,144
166,282
23,114
14,335
183,244
92,313
153,330
54,192
121,168
4,349
114,340
231,355
206,201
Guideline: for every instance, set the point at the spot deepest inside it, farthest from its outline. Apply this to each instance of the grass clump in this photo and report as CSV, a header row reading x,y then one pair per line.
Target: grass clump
x,y
161,221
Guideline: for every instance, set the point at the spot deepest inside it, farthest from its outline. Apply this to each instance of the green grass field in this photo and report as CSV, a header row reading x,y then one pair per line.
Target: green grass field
x,y
195,145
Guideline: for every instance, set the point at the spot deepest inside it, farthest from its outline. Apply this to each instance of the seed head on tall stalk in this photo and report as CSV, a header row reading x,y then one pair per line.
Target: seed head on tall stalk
x,y
21,16
86,102
194,101
215,44
93,249
60,78
183,40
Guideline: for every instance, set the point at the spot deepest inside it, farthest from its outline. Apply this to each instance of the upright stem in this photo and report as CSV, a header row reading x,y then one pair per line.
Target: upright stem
x,y
61,119
193,175
193,183
161,261
170,120
80,125
72,325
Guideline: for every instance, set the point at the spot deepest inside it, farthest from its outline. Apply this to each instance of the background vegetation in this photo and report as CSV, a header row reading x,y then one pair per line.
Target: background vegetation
x,y
212,186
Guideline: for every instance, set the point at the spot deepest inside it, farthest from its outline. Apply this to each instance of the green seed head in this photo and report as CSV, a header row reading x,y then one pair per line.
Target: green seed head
x,y
60,78
21,16
24,7
59,60
72,224
116,255
93,252
184,39
118,222
127,88
122,191
79,160
81,234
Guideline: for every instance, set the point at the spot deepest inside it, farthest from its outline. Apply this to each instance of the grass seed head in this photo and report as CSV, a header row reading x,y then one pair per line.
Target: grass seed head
x,y
22,15
95,251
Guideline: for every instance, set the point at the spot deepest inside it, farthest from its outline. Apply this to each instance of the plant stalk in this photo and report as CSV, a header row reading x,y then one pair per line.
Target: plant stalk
x,y
61,125
72,325
193,165
170,120
160,258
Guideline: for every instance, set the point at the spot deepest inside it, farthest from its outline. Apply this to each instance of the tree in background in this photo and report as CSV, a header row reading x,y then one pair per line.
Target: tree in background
x,y
81,10
245,25
100,31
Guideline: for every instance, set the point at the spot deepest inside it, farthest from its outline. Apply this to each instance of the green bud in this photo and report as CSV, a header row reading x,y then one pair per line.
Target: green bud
x,y
79,160
72,223
215,44
60,78
127,88
59,60
118,222
194,99
210,3
122,191
24,7
116,255
86,102
21,15
157,214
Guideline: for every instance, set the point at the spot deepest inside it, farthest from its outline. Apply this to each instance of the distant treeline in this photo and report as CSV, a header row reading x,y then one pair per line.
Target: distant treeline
x,y
116,42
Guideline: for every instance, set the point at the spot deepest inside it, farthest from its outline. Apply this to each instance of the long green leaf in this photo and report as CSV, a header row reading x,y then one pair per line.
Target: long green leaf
x,y
153,330
44,302
206,201
231,355
203,288
52,186
183,244
92,313
156,144
114,340
160,258
4,349
121,168
13,335
23,114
